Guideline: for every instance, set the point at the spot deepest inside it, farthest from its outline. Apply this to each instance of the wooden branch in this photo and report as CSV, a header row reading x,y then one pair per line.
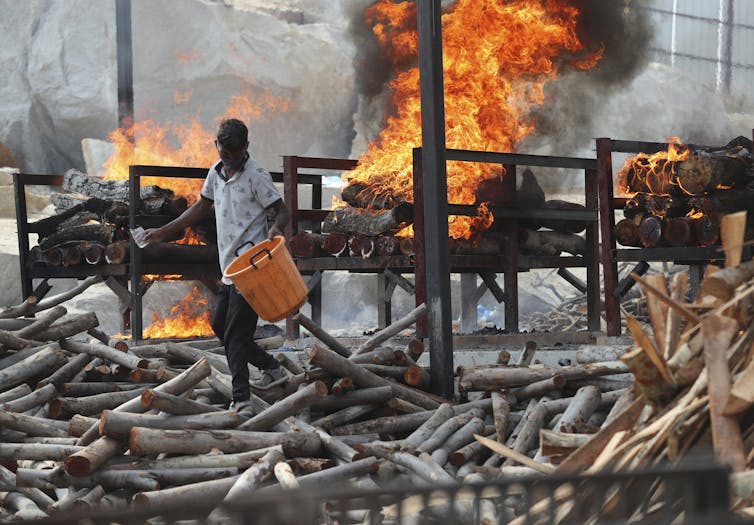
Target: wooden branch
x,y
288,406
507,452
38,364
146,441
394,328
319,333
726,434
118,424
691,316
340,366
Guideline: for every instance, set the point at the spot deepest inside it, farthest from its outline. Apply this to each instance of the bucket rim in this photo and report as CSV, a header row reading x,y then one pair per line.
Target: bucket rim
x,y
272,245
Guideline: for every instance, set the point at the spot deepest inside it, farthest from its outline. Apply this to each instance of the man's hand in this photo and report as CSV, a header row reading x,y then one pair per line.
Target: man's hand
x,y
154,235
274,231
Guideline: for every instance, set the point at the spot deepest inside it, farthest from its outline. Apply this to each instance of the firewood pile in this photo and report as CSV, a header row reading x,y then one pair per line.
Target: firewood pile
x,y
88,426
367,224
679,197
90,225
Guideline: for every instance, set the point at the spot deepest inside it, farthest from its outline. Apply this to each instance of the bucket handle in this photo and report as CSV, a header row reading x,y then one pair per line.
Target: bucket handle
x,y
244,244
251,259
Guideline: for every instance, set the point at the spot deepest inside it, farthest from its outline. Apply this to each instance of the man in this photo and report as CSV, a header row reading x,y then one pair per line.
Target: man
x,y
243,194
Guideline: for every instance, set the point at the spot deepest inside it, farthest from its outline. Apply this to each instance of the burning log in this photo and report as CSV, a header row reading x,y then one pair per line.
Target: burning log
x,y
700,174
350,220
361,195
117,252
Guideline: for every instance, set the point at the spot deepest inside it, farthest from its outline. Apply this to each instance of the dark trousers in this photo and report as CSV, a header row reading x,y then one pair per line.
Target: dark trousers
x,y
234,323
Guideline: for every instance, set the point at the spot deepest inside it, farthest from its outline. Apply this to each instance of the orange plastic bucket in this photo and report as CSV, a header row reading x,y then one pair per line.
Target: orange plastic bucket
x,y
268,279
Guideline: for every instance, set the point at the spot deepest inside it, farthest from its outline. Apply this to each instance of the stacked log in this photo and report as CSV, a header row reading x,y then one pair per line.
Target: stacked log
x,y
90,226
683,207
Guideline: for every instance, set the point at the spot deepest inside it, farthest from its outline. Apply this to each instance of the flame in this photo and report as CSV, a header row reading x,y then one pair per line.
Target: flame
x,y
150,143
189,318
191,237
497,58
653,173
180,144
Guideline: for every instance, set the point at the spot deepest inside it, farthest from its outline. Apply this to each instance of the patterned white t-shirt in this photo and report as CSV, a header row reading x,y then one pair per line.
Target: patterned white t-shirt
x,y
240,204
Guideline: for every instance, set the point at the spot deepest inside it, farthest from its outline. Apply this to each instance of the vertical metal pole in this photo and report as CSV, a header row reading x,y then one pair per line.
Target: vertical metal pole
x,y
435,197
22,223
728,48
124,51
137,322
607,225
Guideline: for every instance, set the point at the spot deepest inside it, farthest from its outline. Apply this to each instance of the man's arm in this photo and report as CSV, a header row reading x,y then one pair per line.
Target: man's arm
x,y
282,216
199,210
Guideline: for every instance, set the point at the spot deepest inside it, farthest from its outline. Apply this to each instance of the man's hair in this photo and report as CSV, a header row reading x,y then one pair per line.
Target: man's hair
x,y
233,134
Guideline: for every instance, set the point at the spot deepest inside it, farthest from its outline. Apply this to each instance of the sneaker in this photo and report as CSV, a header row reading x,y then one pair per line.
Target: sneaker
x,y
240,406
271,377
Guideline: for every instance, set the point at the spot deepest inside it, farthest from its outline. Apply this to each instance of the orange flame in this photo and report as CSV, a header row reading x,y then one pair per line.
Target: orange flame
x,y
189,318
653,173
180,144
497,58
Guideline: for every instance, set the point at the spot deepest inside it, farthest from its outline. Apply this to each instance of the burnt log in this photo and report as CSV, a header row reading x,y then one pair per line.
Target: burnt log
x,y
650,231
72,254
627,233
700,174
362,195
388,245
306,245
117,252
677,232
350,220
645,204
49,225
75,181
335,243
407,245
94,253
361,246
100,233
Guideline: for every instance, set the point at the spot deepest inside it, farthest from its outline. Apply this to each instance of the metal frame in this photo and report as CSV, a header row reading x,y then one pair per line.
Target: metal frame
x,y
695,257
508,263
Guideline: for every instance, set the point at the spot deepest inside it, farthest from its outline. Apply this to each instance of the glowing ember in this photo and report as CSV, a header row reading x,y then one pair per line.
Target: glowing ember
x,y
497,58
653,173
189,318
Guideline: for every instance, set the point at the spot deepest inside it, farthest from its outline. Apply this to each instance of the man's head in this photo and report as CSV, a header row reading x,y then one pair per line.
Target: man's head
x,y
232,142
